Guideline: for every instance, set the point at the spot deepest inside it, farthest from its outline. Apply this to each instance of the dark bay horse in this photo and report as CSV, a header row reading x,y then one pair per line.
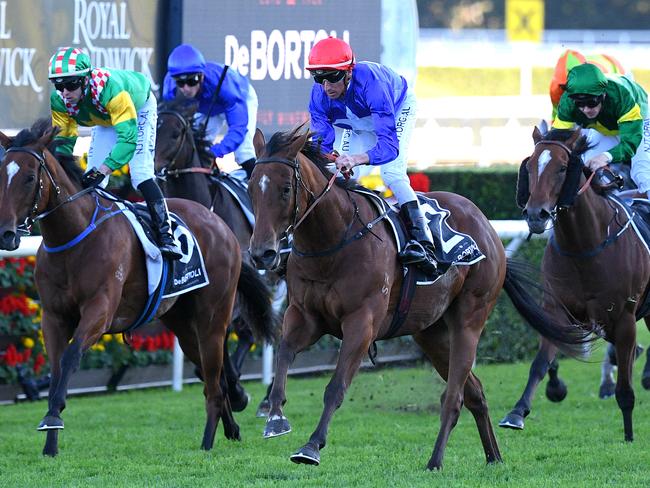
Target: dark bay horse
x,y
97,284
594,261
183,167
344,279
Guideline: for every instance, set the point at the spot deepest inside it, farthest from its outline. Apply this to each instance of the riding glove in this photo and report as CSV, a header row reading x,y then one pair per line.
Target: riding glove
x,y
217,151
92,179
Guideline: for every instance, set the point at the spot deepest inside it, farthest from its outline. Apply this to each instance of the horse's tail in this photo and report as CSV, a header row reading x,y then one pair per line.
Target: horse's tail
x,y
255,303
567,333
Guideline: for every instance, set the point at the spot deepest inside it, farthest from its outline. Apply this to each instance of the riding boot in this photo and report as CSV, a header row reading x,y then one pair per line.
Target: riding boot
x,y
160,219
419,249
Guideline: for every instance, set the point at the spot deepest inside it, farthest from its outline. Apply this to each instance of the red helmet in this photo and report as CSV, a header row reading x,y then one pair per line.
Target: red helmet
x,y
331,54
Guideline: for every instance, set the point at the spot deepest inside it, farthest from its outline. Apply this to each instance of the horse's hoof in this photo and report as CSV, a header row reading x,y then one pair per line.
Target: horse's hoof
x,y
307,454
556,391
241,403
607,390
263,409
276,426
50,422
512,421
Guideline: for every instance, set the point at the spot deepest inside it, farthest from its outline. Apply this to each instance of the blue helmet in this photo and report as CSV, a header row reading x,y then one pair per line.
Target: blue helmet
x,y
185,59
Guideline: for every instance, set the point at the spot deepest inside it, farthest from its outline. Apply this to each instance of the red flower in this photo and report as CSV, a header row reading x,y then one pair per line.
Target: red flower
x,y
149,344
39,362
419,182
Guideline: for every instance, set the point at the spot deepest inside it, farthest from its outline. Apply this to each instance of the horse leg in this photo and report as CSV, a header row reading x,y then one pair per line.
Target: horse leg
x,y
625,334
296,336
87,333
279,296
434,341
230,375
556,389
56,338
645,377
465,324
244,343
190,340
353,347
538,368
607,380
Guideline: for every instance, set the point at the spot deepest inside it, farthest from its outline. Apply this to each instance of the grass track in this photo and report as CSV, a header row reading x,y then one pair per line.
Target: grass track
x,y
382,436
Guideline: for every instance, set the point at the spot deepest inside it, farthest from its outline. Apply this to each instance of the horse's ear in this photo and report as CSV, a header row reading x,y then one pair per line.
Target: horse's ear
x,y
259,142
47,137
5,140
299,141
571,142
537,135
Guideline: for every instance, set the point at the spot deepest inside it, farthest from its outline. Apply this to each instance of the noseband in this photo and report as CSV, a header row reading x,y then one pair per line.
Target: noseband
x,y
33,216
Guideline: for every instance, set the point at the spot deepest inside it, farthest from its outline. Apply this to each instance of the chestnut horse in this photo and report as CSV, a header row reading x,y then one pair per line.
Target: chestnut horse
x,y
344,279
97,284
183,168
594,260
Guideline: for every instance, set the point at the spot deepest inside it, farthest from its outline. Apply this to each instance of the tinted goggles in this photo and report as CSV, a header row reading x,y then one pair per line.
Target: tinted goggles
x,y
191,80
69,84
334,76
588,102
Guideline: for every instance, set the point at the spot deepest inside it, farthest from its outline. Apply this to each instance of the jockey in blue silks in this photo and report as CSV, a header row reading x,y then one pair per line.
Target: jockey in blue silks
x,y
366,113
235,103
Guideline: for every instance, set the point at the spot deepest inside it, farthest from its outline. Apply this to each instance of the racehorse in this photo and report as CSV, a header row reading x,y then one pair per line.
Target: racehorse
x,y
592,237
344,279
92,280
183,167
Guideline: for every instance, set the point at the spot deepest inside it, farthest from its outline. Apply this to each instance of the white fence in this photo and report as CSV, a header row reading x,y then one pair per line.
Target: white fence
x,y
517,230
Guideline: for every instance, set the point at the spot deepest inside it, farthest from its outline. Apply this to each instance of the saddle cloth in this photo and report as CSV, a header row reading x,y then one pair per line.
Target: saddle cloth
x,y
180,276
451,246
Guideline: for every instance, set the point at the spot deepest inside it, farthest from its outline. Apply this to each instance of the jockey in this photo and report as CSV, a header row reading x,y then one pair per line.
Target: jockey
x,y
614,109
230,101
121,110
572,58
367,112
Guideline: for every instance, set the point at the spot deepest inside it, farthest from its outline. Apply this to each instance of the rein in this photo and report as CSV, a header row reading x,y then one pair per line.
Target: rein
x,y
34,216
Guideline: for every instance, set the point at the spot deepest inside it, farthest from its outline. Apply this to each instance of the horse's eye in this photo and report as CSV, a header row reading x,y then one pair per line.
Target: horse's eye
x,y
30,179
286,192
563,169
176,134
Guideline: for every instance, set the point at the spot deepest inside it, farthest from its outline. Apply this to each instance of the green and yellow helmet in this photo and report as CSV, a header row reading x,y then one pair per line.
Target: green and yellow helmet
x,y
68,61
586,79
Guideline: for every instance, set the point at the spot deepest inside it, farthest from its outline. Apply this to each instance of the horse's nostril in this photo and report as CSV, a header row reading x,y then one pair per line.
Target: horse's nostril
x,y
269,255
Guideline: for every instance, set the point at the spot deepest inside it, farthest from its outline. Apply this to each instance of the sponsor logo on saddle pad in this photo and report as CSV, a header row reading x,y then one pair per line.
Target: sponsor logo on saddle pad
x,y
188,272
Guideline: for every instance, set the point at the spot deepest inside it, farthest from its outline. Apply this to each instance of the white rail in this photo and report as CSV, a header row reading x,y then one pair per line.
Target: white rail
x,y
517,230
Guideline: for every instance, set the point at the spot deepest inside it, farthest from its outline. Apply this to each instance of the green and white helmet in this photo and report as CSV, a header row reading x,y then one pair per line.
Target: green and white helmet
x,y
69,61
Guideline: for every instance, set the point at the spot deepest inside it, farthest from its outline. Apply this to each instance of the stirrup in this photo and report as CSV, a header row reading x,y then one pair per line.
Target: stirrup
x,y
170,250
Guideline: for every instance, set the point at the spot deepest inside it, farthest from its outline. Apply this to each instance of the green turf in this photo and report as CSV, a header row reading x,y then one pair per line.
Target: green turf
x,y
382,436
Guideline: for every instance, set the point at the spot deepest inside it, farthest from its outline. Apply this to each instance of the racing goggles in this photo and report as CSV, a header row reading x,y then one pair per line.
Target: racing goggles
x,y
70,84
189,80
331,76
589,102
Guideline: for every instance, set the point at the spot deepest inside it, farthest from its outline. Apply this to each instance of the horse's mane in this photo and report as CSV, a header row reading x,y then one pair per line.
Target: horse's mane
x,y
563,135
29,136
311,150
187,108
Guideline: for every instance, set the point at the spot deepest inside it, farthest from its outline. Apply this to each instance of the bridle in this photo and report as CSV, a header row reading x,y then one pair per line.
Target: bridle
x,y
25,227
170,170
313,200
33,216
564,195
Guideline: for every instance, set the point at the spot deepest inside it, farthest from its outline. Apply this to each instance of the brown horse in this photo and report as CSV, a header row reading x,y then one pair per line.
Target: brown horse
x,y
344,279
98,283
183,167
594,260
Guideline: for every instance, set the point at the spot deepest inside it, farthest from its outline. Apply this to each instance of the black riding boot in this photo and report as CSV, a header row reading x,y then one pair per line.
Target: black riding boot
x,y
160,219
418,250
